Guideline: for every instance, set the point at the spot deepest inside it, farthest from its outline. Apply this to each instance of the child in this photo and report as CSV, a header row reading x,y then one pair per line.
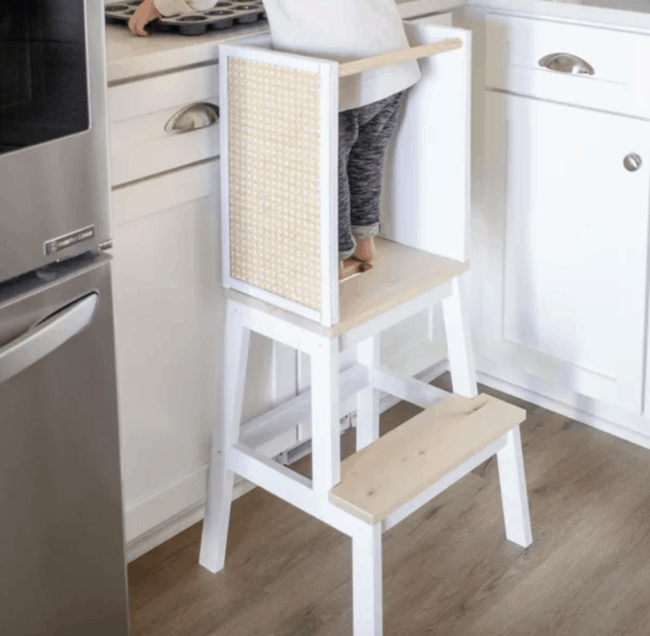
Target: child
x,y
369,103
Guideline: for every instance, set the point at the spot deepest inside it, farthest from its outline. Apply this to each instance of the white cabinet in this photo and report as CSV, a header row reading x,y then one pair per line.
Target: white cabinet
x,y
168,313
559,253
141,110
169,302
523,55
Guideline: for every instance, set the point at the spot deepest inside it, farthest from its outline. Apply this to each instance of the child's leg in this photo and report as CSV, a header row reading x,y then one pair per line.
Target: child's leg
x,y
348,133
377,124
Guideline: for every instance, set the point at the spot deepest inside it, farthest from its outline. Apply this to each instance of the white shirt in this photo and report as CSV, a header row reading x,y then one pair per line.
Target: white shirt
x,y
340,30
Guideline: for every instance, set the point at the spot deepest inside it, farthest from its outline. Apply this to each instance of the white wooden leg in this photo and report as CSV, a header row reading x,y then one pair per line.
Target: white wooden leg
x,y
459,341
514,497
367,606
226,433
325,427
368,353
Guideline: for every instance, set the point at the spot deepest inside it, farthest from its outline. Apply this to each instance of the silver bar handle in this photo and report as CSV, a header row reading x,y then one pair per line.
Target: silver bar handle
x,y
193,117
46,336
566,63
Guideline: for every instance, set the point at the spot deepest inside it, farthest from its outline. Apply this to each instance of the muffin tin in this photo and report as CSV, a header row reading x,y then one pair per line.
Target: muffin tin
x,y
223,16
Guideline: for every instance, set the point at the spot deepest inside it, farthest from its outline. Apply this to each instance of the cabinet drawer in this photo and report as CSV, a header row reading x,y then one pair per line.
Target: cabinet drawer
x,y
139,113
516,48
134,201
139,97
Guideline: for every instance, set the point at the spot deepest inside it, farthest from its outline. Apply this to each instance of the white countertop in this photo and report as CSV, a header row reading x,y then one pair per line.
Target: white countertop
x,y
631,15
129,56
640,6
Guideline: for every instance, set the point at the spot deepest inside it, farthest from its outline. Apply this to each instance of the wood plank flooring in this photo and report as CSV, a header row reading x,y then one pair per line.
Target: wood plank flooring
x,y
448,570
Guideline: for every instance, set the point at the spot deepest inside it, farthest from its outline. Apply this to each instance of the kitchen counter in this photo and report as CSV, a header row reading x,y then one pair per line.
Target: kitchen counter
x,y
129,57
640,6
630,15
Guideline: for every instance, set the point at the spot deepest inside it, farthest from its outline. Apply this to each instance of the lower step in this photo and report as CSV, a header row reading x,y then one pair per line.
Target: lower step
x,y
388,473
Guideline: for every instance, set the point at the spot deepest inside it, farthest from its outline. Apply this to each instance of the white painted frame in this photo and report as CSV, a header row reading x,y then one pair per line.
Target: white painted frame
x,y
331,388
301,491
329,99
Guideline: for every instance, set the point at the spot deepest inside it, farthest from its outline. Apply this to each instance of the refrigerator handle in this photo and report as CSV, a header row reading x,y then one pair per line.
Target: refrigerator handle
x,y
46,336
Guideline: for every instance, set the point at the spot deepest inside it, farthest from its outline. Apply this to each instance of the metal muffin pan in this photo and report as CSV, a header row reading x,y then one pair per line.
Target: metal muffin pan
x,y
223,16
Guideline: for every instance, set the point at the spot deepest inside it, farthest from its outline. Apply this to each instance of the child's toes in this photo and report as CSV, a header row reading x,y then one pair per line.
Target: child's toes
x,y
351,267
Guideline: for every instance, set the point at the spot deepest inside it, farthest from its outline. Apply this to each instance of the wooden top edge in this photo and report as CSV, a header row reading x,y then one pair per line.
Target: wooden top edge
x,y
377,291
395,57
373,293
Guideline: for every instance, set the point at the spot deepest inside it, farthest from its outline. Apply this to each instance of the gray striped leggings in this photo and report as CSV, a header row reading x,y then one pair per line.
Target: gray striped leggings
x,y
364,134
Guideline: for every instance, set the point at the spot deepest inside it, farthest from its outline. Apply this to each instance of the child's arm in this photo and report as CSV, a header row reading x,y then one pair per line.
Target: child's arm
x,y
151,9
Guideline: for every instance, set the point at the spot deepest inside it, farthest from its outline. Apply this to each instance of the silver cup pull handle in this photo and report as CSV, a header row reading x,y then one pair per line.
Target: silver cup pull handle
x,y
194,117
566,63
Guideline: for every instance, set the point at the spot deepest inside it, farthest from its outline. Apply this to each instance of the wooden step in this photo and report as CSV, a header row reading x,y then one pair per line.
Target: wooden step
x,y
390,472
399,273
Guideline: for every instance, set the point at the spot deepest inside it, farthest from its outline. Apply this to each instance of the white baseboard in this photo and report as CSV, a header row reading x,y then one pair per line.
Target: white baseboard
x,y
163,532
176,524
162,515
161,507
621,431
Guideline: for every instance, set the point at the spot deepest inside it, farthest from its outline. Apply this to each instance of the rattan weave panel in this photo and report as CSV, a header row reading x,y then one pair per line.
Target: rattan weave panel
x,y
274,167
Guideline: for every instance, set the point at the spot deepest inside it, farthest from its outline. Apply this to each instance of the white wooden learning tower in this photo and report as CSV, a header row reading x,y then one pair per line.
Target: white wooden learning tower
x,y
280,246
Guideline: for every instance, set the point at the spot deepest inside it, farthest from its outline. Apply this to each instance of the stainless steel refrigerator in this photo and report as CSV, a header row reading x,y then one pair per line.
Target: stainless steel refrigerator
x,y
62,560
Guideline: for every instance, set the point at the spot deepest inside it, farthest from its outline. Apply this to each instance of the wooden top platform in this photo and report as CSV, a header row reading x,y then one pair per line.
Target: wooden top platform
x,y
399,274
391,471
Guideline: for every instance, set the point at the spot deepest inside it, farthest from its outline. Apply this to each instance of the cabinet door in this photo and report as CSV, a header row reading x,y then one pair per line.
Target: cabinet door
x,y
560,238
169,317
169,310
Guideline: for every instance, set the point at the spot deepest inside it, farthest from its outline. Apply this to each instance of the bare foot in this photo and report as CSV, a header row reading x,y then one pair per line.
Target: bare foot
x,y
351,267
365,250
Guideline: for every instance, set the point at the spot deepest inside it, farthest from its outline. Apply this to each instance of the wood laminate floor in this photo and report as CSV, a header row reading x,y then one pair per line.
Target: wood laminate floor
x,y
448,570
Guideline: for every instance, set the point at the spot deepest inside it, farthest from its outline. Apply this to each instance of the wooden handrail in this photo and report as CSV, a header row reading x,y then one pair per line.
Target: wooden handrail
x,y
396,57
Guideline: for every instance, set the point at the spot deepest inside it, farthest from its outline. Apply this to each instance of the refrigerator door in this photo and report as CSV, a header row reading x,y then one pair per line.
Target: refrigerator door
x,y
54,176
62,553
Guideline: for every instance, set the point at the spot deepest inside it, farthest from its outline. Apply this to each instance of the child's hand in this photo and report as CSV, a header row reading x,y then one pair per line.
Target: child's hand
x,y
144,14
